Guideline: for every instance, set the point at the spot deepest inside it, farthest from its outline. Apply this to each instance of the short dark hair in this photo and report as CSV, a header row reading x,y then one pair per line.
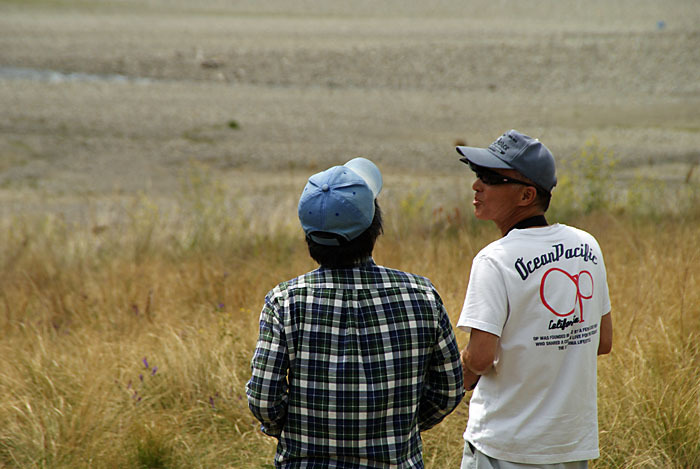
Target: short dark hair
x,y
543,198
348,252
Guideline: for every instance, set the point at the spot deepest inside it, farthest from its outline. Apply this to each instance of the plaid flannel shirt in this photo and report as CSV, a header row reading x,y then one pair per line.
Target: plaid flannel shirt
x,y
350,365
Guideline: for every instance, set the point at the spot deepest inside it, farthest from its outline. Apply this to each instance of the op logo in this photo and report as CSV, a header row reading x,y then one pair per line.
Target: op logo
x,y
564,292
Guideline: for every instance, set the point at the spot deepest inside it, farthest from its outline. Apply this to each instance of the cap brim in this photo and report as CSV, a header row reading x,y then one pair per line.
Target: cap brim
x,y
367,171
481,157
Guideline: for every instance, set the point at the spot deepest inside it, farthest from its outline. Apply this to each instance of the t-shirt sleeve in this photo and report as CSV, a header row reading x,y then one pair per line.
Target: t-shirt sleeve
x,y
486,303
602,293
605,306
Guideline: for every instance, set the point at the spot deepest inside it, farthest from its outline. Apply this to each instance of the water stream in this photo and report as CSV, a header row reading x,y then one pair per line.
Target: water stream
x,y
53,76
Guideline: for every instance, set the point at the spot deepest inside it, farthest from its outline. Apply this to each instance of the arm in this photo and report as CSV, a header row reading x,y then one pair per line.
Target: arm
x,y
606,335
484,315
267,389
478,356
443,388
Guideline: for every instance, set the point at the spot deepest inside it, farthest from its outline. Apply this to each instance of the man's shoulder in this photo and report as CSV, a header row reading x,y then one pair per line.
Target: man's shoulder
x,y
371,276
572,229
493,250
395,281
396,276
547,234
578,235
283,288
518,240
583,233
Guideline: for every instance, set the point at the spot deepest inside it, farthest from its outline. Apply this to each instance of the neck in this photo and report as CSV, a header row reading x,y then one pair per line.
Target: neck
x,y
530,221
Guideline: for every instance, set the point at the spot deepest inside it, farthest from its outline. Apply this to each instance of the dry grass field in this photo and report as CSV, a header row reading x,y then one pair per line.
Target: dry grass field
x,y
151,158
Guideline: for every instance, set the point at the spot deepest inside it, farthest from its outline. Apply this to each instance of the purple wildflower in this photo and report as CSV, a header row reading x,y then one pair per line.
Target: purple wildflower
x,y
141,377
221,305
145,362
211,402
154,371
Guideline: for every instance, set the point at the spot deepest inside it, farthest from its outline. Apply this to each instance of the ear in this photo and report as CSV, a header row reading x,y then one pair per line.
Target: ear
x,y
528,196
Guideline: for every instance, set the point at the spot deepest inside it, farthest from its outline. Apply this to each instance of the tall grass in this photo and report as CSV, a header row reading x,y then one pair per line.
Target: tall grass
x,y
127,343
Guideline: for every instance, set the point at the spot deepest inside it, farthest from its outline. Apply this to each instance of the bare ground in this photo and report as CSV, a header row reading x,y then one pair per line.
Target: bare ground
x,y
268,92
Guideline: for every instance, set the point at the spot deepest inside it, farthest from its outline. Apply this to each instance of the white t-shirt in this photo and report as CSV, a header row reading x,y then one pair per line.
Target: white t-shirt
x,y
543,291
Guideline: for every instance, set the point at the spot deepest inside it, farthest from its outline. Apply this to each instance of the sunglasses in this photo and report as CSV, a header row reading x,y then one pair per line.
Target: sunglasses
x,y
492,178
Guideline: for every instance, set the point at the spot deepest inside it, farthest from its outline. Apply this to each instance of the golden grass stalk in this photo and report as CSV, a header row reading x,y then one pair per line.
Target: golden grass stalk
x,y
129,346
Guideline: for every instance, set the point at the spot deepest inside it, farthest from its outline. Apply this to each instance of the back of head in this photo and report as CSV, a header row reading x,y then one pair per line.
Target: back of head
x,y
339,213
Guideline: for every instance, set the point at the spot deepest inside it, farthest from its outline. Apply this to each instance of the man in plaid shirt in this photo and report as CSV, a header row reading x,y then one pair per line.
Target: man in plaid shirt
x,y
353,359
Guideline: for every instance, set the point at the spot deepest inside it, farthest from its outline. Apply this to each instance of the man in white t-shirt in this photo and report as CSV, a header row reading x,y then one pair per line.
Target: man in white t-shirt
x,y
538,313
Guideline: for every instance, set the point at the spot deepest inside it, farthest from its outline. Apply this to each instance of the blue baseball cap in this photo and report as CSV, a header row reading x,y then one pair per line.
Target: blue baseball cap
x,y
517,151
340,201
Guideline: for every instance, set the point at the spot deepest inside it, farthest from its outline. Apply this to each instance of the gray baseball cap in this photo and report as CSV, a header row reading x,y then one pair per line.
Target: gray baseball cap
x,y
517,151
